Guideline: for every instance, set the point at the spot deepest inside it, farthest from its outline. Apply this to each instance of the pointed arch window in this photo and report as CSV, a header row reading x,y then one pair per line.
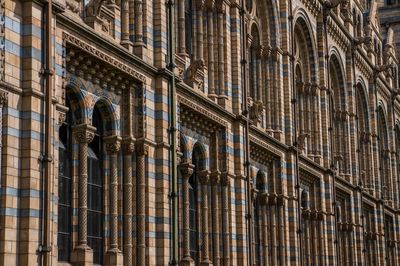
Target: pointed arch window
x,y
254,65
384,156
340,120
95,210
64,192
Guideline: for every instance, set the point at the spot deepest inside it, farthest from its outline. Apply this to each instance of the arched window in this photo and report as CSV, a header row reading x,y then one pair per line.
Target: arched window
x,y
384,159
64,191
359,26
194,206
95,210
254,65
364,138
339,116
307,97
193,219
304,199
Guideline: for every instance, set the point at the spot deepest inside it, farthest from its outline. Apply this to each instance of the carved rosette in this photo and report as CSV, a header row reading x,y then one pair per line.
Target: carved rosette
x,y
113,144
83,133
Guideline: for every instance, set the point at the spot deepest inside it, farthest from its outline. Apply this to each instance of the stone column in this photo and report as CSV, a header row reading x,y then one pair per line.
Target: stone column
x,y
138,22
128,149
125,25
113,146
200,49
215,180
210,31
221,62
83,134
204,177
225,182
186,171
181,27
141,151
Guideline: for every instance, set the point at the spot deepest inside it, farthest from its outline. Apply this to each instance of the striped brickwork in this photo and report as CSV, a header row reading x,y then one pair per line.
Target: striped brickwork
x,y
317,141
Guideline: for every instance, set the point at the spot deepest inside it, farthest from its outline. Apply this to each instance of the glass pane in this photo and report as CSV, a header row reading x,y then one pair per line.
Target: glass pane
x,y
63,247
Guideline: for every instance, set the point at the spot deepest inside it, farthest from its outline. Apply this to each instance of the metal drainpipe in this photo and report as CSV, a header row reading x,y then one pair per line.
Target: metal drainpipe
x,y
246,135
330,103
45,247
172,130
360,185
295,143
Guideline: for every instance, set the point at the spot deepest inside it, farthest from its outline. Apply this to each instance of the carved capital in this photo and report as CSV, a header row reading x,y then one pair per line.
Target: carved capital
x,y
61,118
128,145
200,4
204,177
186,169
3,98
225,179
142,148
113,144
83,133
215,177
221,7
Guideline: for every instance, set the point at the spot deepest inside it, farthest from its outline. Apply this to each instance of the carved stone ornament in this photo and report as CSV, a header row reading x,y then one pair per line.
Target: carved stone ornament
x,y
215,177
73,5
225,179
128,145
3,98
256,110
301,141
204,177
142,148
104,57
113,144
83,133
61,118
186,169
195,74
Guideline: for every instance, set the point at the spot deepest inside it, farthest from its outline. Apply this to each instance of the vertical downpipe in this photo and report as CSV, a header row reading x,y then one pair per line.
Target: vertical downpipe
x,y
295,142
330,130
246,135
172,131
45,248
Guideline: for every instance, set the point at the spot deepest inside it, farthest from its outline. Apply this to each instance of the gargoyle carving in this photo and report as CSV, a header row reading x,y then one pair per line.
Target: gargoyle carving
x,y
195,74
256,110
93,8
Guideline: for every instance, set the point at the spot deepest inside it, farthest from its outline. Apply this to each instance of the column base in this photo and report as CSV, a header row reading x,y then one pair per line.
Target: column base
x,y
82,255
206,263
128,45
138,49
186,262
114,258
